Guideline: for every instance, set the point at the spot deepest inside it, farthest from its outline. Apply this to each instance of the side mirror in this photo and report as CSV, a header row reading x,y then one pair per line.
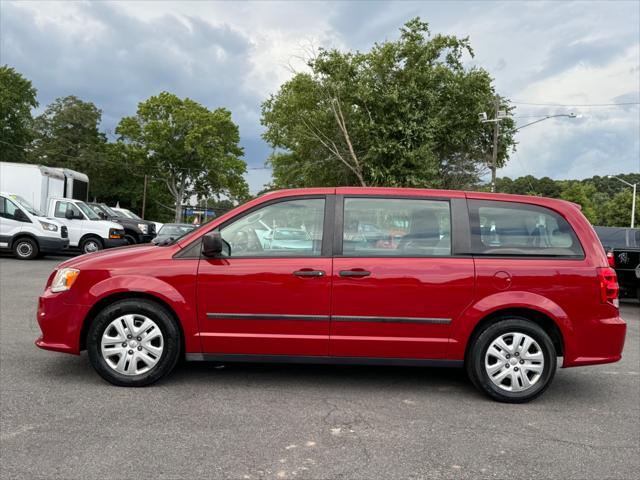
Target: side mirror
x,y
68,214
213,245
103,216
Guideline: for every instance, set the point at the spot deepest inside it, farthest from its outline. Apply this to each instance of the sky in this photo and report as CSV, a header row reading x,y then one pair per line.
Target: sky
x,y
548,58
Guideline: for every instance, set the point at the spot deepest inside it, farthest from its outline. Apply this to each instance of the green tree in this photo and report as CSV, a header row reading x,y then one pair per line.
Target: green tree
x,y
67,135
582,194
192,149
120,180
17,98
402,114
617,212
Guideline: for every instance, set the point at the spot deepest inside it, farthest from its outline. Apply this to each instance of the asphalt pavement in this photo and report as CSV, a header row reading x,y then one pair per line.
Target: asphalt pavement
x,y
58,419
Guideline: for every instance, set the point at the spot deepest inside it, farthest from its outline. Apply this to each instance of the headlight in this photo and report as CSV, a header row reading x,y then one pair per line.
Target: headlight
x,y
65,277
144,228
115,233
49,226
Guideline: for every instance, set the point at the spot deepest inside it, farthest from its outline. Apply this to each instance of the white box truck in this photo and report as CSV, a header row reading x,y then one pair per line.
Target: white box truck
x,y
60,194
37,183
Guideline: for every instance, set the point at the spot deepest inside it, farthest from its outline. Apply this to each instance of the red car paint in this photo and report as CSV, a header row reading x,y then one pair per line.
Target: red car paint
x,y
466,289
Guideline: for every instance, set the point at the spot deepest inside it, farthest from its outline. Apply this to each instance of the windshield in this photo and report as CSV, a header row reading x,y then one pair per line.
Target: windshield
x,y
91,215
176,230
283,234
133,215
97,209
26,205
109,211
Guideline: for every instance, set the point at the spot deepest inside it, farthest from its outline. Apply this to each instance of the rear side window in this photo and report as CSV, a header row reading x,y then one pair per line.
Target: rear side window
x,y
518,229
396,227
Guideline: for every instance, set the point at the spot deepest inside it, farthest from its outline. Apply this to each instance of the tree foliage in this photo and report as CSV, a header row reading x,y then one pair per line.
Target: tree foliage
x,y
68,133
193,150
403,114
17,98
604,201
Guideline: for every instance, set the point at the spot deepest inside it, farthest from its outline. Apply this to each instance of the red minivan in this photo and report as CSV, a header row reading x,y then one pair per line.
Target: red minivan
x,y
500,284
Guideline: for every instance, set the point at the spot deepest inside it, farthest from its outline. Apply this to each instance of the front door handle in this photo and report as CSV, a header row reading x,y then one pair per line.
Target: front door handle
x,y
356,272
309,273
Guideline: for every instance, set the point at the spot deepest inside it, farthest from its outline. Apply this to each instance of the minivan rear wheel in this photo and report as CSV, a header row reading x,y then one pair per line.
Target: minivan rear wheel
x,y
513,360
133,342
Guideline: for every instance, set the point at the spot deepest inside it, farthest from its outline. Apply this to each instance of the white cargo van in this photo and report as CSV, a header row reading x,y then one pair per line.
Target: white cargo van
x,y
26,231
86,230
60,193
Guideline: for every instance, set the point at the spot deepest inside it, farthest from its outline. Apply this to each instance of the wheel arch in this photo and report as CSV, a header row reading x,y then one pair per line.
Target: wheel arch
x,y
130,295
546,322
20,235
90,235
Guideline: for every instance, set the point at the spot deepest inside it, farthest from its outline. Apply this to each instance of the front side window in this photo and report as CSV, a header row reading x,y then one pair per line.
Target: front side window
x,y
396,227
62,207
10,210
518,229
290,228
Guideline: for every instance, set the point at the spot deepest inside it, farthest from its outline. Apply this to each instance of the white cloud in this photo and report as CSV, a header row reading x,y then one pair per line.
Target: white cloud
x,y
235,54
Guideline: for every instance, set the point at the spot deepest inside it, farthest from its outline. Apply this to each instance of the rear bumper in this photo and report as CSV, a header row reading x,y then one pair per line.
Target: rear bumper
x,y
52,245
602,343
59,323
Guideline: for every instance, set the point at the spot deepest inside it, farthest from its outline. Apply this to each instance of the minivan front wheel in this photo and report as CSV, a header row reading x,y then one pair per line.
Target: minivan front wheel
x,y
512,360
133,343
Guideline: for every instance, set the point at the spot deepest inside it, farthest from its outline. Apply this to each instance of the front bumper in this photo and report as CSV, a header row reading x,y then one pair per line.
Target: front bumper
x,y
60,324
601,342
114,242
52,244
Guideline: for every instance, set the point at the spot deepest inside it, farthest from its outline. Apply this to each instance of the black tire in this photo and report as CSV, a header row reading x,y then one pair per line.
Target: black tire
x,y
171,339
25,248
130,239
475,361
91,244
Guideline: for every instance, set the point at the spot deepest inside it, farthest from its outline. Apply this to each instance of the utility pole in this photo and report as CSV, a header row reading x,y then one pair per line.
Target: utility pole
x,y
502,115
494,160
144,195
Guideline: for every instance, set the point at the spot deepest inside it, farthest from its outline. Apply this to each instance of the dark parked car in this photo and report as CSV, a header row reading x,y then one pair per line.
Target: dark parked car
x,y
173,231
135,231
623,252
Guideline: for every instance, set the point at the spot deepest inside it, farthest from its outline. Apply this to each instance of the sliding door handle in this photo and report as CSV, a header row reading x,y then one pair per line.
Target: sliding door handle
x,y
356,272
309,273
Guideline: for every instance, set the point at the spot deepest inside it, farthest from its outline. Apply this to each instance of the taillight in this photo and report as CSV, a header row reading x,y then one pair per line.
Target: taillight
x,y
608,285
611,259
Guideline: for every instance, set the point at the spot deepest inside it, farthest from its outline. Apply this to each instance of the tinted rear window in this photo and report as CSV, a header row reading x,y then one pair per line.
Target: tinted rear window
x,y
518,229
618,237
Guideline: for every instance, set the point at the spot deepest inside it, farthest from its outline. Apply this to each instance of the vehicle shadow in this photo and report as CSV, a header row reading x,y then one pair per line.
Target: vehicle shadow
x,y
338,380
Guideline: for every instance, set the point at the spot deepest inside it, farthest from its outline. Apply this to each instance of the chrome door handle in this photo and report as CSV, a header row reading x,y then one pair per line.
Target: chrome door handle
x,y
309,273
354,273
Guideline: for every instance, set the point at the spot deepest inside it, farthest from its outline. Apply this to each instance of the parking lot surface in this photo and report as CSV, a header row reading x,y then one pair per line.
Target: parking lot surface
x,y
60,420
